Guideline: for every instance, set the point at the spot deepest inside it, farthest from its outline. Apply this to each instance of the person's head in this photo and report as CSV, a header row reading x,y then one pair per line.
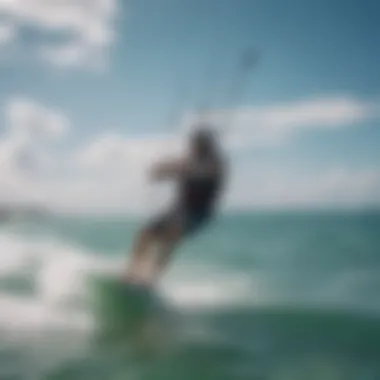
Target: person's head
x,y
202,142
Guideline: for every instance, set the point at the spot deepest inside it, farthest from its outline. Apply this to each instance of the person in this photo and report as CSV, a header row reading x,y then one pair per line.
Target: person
x,y
199,177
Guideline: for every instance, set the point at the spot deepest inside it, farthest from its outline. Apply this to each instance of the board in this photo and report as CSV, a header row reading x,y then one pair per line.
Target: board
x,y
132,316
122,308
113,295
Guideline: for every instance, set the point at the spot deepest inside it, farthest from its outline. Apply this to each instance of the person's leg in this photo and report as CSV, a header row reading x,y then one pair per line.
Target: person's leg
x,y
142,246
167,245
154,245
166,233
184,226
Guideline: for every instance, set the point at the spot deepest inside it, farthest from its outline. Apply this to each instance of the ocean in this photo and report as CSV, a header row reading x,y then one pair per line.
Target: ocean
x,y
261,295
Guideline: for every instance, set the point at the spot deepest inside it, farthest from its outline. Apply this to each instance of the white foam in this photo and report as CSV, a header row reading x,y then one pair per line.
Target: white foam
x,y
14,255
58,271
22,315
195,287
57,275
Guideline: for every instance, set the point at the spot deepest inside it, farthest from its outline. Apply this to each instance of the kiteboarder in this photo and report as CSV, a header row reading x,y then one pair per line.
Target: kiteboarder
x,y
199,178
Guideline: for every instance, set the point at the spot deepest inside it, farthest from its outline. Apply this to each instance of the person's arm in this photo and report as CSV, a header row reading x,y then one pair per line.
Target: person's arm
x,y
169,170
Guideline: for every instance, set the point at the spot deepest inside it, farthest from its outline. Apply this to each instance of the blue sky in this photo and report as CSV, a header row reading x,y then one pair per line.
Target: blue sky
x,y
111,74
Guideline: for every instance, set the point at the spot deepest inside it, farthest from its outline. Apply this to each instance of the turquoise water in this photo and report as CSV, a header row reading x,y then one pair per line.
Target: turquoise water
x,y
256,296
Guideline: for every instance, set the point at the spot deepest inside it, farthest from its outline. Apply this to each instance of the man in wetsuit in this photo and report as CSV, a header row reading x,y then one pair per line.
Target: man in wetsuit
x,y
199,179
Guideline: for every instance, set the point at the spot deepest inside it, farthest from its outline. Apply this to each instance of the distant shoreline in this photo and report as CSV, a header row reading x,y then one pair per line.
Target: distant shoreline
x,y
10,212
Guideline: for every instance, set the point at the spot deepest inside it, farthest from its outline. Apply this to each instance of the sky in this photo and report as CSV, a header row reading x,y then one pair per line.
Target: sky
x,y
93,91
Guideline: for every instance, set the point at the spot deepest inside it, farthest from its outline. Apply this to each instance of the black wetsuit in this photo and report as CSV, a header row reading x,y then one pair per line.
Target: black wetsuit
x,y
197,194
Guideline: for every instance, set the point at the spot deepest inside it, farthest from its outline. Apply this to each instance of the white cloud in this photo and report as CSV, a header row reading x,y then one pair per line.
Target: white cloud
x,y
277,124
29,119
30,129
113,173
84,28
275,188
111,152
108,172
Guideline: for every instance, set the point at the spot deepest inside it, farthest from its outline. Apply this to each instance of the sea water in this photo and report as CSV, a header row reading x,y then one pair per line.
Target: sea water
x,y
290,295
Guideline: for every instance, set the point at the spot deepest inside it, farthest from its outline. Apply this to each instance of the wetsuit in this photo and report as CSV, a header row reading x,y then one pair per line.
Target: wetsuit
x,y
197,194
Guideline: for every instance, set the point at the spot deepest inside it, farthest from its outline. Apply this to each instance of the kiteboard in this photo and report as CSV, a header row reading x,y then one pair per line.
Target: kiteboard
x,y
123,309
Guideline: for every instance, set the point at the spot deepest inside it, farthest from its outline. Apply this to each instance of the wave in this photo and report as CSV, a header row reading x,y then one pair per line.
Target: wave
x,y
235,317
43,282
47,277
